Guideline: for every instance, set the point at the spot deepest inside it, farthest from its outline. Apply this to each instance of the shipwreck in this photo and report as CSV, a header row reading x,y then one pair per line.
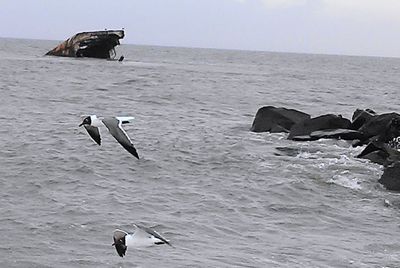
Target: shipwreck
x,y
97,44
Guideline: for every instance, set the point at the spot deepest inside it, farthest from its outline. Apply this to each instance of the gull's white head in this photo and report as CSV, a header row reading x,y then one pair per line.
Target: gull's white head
x,y
87,119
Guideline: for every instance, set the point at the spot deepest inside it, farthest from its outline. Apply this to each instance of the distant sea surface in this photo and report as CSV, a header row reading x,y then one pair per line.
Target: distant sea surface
x,y
224,196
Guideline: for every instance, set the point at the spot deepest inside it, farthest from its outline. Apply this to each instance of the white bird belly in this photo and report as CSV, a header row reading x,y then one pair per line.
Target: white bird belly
x,y
137,242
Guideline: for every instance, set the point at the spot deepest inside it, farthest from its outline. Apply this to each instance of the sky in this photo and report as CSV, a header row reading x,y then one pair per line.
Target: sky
x,y
346,27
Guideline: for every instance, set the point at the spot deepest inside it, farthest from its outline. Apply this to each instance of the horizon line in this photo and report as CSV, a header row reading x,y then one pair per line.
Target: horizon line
x,y
219,48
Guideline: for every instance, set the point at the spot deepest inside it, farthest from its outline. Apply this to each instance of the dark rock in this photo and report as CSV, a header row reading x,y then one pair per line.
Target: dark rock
x,y
358,112
98,44
343,134
384,126
274,119
391,132
324,122
380,153
371,147
376,153
378,157
360,117
391,177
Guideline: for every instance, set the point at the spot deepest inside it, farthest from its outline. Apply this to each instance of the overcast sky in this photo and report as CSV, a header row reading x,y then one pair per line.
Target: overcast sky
x,y
352,27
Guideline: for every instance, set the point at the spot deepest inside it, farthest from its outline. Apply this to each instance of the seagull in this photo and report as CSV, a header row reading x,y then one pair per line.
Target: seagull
x,y
114,125
141,237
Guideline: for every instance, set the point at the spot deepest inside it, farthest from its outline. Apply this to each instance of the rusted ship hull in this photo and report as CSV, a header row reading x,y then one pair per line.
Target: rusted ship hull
x,y
98,44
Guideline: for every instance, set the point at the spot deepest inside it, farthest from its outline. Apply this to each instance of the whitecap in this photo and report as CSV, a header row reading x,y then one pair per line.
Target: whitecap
x,y
346,181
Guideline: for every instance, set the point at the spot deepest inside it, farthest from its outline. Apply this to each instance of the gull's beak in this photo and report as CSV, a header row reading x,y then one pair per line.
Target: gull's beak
x,y
81,124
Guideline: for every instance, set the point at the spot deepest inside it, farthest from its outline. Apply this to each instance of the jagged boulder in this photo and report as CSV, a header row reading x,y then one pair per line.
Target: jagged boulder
x,y
360,117
376,152
382,153
272,119
386,126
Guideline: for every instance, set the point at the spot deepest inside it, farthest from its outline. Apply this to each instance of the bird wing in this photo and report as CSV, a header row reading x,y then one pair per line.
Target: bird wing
x,y
148,231
119,242
94,133
115,128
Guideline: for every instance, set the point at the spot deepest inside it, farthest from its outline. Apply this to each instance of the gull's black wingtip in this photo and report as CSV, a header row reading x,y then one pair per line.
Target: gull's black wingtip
x,y
131,149
133,152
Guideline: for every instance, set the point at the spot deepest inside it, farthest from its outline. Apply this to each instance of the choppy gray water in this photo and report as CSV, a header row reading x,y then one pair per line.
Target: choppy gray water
x,y
224,196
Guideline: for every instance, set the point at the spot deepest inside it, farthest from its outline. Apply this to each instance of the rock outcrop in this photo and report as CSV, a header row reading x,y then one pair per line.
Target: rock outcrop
x,y
384,140
360,117
384,127
381,134
272,119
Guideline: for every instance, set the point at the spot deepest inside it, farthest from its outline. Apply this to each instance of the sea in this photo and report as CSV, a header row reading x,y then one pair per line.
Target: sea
x,y
223,195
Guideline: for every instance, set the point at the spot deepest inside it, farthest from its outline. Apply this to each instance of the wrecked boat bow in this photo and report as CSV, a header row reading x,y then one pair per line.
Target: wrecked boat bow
x,y
97,44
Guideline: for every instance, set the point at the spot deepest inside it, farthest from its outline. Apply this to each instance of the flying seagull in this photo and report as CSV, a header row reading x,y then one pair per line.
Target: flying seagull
x,y
114,126
141,237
